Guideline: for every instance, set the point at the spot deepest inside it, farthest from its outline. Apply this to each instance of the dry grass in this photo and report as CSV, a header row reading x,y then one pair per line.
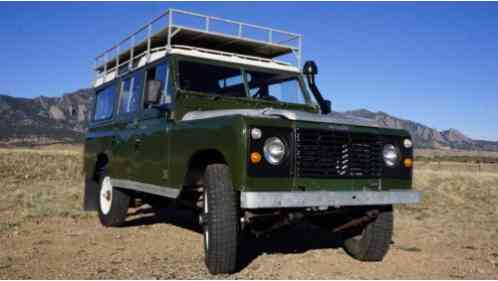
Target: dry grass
x,y
452,233
457,204
39,183
455,153
472,169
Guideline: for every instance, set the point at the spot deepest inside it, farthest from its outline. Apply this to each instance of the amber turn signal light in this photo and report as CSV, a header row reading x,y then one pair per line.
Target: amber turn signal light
x,y
408,162
256,157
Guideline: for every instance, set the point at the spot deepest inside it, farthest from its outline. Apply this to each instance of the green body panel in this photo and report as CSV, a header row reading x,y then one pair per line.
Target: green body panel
x,y
397,183
167,144
150,157
190,101
225,134
98,140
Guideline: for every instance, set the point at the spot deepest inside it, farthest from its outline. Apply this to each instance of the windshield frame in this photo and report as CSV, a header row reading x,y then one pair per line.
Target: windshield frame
x,y
243,70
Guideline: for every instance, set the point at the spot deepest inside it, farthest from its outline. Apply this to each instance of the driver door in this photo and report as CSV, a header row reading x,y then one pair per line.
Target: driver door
x,y
152,135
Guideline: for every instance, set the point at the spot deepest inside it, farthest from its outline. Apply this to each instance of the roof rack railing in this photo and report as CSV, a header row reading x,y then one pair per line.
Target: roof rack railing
x,y
275,42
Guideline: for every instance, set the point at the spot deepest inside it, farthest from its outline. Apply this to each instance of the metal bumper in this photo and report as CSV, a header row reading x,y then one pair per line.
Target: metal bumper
x,y
296,199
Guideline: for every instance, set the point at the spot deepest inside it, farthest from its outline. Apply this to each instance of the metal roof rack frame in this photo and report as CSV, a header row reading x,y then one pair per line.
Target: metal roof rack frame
x,y
203,35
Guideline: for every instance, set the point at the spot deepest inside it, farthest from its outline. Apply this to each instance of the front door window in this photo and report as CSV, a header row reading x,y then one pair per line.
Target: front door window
x,y
131,92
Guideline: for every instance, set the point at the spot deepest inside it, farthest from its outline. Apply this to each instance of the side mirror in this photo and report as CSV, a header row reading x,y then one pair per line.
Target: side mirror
x,y
153,92
310,68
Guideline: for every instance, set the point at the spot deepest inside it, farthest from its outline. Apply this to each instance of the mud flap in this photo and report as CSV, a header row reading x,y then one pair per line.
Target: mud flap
x,y
91,196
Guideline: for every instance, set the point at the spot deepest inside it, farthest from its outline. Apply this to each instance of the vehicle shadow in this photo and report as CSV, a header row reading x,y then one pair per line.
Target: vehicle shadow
x,y
295,239
180,217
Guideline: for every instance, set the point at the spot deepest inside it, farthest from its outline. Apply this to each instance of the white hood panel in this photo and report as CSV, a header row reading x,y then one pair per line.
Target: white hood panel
x,y
294,115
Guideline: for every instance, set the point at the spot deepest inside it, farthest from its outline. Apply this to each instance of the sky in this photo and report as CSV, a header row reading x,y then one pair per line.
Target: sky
x,y
434,63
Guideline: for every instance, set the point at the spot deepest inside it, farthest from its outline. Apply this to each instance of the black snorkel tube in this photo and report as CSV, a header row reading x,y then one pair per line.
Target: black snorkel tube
x,y
310,70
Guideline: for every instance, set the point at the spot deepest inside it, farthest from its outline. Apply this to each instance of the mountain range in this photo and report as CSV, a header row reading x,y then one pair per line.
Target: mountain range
x,y
45,119
65,118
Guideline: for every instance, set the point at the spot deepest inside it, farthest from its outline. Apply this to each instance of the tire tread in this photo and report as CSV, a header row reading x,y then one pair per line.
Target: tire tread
x,y
375,239
221,257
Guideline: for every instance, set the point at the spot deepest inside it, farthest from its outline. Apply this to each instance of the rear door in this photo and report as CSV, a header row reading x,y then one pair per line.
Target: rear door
x,y
101,134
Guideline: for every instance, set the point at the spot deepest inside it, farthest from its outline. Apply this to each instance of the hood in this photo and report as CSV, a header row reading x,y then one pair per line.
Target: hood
x,y
294,115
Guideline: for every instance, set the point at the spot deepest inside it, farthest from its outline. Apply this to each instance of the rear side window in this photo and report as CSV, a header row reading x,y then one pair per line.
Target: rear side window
x,y
125,95
104,103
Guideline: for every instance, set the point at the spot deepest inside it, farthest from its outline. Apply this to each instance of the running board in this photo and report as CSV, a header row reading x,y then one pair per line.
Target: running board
x,y
146,188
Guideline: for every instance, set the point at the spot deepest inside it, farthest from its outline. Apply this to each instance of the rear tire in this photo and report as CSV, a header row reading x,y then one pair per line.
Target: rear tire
x,y
220,220
373,241
113,203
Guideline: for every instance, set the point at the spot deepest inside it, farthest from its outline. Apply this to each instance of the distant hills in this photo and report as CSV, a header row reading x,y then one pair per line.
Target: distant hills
x,y
45,119
426,137
64,119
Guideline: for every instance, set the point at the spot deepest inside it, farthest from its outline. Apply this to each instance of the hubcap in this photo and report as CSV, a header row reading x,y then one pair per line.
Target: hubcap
x,y
106,196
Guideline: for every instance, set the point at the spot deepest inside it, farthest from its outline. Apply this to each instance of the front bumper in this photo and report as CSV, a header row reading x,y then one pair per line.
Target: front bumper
x,y
298,199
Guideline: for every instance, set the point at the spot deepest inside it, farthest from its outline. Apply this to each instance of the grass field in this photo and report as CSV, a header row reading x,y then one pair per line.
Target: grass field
x,y
452,233
39,183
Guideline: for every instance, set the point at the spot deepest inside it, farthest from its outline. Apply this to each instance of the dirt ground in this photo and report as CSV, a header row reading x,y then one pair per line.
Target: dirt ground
x,y
452,234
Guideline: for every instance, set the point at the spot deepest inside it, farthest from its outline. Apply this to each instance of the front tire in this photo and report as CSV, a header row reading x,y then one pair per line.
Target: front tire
x,y
113,203
220,220
373,241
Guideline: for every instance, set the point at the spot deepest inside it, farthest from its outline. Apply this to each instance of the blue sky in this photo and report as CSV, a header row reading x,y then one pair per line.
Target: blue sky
x,y
435,63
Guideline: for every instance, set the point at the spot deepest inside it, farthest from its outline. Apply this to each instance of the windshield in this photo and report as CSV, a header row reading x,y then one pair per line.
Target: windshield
x,y
233,82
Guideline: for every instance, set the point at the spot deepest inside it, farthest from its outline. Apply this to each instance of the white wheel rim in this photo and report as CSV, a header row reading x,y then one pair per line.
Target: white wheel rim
x,y
205,218
106,196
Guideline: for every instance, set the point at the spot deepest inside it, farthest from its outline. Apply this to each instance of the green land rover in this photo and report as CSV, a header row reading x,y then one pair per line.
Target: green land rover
x,y
218,118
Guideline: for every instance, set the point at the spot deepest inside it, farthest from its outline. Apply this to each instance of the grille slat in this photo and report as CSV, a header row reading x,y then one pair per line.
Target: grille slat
x,y
337,154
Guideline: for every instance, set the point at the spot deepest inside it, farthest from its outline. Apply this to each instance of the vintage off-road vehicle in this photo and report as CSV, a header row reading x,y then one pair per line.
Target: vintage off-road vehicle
x,y
201,112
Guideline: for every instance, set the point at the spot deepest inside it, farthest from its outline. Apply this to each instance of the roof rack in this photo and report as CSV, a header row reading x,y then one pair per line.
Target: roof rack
x,y
177,27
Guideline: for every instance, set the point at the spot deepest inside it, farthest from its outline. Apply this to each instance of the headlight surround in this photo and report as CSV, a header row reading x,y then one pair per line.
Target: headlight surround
x,y
391,155
274,150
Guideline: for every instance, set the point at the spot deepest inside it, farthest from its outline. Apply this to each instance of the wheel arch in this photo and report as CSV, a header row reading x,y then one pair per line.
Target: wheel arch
x,y
198,162
91,194
100,165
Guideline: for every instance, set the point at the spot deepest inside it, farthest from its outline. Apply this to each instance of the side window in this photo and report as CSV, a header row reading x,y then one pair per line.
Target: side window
x,y
125,95
131,92
138,85
160,72
104,103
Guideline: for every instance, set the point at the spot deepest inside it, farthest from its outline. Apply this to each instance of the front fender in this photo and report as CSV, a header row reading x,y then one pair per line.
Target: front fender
x,y
226,134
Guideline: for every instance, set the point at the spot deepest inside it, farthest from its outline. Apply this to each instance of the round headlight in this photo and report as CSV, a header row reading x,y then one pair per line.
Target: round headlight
x,y
391,155
256,133
407,143
274,150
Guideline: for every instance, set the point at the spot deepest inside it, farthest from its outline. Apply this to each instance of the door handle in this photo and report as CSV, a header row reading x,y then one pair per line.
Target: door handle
x,y
138,142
